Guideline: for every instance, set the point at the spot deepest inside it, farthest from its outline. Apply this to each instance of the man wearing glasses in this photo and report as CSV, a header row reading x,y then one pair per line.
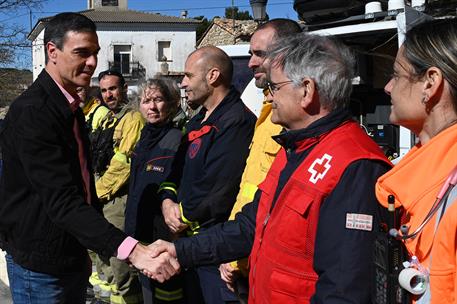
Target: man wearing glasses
x,y
263,148
309,232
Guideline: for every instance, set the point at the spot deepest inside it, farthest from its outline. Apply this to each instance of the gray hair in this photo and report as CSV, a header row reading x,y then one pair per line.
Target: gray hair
x,y
168,88
329,63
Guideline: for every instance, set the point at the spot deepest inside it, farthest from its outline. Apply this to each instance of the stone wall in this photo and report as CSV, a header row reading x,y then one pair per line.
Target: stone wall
x,y
222,32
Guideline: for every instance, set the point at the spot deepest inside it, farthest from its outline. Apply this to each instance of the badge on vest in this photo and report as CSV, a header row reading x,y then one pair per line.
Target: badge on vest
x,y
319,168
151,167
358,221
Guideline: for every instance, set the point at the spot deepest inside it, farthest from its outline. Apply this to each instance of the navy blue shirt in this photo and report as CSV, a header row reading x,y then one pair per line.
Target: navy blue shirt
x,y
211,161
151,165
342,258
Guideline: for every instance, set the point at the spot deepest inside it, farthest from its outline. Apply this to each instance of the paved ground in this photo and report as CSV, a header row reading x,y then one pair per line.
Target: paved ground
x,y
5,295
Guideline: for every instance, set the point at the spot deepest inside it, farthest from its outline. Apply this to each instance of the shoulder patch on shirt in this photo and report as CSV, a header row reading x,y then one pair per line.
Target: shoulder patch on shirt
x,y
359,221
319,168
194,147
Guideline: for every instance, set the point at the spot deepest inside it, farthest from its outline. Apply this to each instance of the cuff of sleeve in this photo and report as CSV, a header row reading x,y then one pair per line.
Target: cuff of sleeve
x,y
126,248
164,194
194,226
185,260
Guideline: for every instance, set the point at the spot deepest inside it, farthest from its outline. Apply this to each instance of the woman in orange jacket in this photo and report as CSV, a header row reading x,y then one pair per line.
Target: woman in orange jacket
x,y
423,92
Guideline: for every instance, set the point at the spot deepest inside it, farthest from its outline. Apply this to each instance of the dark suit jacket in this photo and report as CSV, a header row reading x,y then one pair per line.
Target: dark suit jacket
x,y
45,222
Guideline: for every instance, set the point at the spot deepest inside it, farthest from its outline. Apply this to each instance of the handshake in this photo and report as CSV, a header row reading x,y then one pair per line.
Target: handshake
x,y
157,261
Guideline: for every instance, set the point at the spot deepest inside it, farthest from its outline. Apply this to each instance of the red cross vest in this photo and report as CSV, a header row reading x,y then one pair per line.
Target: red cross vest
x,y
281,260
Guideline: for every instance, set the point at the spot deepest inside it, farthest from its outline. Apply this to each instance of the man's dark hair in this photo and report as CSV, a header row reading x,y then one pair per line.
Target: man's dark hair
x,y
58,27
112,72
62,23
283,27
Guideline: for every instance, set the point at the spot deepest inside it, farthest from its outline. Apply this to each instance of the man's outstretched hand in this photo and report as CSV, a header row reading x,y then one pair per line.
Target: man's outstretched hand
x,y
160,246
154,262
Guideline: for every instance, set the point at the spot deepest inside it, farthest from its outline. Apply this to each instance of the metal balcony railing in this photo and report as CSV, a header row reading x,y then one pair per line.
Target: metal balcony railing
x,y
132,70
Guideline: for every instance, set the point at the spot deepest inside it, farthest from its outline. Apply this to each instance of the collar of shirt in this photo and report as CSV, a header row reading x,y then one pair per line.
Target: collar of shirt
x,y
233,96
294,139
73,102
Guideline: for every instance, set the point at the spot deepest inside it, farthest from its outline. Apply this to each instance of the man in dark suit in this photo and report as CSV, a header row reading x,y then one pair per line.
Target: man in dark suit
x,y
48,204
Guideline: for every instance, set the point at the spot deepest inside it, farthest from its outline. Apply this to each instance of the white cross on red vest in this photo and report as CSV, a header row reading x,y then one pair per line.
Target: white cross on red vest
x,y
319,168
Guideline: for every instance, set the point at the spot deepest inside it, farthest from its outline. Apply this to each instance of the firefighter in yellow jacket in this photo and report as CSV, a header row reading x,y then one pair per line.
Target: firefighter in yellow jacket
x,y
112,144
93,109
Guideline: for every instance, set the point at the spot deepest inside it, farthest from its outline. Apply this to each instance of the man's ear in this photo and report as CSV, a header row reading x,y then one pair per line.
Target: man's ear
x,y
213,75
433,82
51,49
309,92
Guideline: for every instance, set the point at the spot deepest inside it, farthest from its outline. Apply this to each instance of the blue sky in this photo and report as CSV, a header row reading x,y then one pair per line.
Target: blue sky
x,y
207,8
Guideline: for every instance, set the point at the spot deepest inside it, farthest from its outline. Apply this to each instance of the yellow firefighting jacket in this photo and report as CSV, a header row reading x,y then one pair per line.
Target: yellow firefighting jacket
x,y
126,135
263,151
93,110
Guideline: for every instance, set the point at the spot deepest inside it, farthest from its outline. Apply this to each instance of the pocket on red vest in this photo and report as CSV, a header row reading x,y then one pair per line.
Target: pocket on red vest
x,y
297,222
290,288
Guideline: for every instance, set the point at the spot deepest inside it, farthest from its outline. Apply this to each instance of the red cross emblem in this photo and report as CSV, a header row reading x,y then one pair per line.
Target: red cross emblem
x,y
319,168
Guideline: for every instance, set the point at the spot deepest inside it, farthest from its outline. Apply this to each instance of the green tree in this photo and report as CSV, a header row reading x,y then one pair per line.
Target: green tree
x,y
202,27
13,44
233,12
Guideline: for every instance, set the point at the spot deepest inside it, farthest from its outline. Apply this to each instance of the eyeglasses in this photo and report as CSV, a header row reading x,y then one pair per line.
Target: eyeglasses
x,y
274,87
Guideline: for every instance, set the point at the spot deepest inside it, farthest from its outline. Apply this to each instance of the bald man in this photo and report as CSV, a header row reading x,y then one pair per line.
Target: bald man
x,y
211,159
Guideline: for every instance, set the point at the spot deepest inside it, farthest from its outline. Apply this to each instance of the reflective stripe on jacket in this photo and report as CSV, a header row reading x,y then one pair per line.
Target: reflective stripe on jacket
x,y
261,155
126,135
214,154
94,113
151,165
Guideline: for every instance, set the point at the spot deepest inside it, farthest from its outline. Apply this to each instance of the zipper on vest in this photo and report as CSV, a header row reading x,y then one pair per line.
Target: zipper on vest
x,y
265,222
264,227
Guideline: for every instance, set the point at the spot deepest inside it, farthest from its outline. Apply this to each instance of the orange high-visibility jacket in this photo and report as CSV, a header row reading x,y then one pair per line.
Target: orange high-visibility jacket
x,y
415,182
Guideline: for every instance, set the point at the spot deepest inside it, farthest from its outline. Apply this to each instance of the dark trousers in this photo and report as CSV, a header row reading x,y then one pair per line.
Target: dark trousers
x,y
187,282
214,290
